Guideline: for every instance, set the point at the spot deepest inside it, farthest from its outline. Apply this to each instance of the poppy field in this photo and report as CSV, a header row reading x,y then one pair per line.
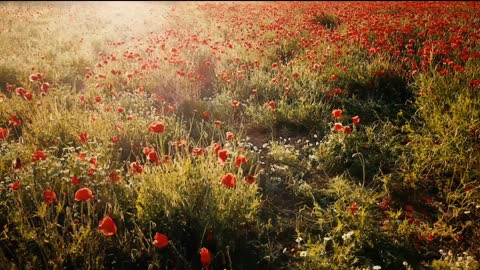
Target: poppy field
x,y
240,135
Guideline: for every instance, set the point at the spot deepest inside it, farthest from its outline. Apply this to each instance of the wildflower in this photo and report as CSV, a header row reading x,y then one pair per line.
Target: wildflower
x,y
4,133
15,185
74,180
135,167
107,226
115,139
272,104
114,177
156,127
230,135
356,120
235,103
241,159
14,121
197,151
229,180
160,240
222,155
44,87
83,137
338,127
33,78
49,196
347,130
83,194
353,208
38,155
28,96
205,257
250,179
152,157
337,113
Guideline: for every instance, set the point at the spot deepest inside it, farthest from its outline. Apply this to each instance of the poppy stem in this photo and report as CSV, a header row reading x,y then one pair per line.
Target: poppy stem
x,y
229,259
178,253
203,234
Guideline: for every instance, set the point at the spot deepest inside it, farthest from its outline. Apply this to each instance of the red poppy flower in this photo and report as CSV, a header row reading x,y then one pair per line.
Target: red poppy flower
x,y
81,156
147,150
222,156
250,179
33,77
338,127
14,121
197,151
430,237
272,104
152,157
114,177
120,109
206,115
156,127
74,180
93,162
98,99
91,172
356,120
180,73
9,87
28,96
235,103
474,83
4,133
15,185
83,194
49,196
216,147
115,139
44,87
347,130
83,136
229,180
20,91
241,159
205,257
107,226
135,167
160,240
218,123
337,113
230,136
334,77
39,155
353,208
